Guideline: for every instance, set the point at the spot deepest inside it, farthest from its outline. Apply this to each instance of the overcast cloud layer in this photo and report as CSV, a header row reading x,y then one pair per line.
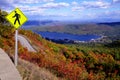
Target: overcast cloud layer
x,y
66,9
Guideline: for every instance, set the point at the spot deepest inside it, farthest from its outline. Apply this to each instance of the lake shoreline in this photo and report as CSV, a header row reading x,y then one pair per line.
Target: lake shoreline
x,y
70,38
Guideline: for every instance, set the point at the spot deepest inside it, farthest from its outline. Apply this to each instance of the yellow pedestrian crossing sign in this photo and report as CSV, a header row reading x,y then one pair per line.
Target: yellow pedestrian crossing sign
x,y
16,18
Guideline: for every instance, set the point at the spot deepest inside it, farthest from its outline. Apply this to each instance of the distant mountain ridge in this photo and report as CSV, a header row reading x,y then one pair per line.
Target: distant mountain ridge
x,y
111,29
38,23
111,23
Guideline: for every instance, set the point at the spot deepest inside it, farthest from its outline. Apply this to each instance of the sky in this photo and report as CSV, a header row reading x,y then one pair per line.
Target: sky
x,y
79,10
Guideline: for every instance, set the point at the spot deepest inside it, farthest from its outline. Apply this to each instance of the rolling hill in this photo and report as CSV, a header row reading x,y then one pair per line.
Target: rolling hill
x,y
111,29
88,28
63,62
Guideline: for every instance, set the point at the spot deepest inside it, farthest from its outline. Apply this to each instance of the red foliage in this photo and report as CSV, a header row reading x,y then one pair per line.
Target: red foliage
x,y
68,70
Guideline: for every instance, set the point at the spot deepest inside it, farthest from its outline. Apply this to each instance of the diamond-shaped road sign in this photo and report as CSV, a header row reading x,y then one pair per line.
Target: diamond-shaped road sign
x,y
16,18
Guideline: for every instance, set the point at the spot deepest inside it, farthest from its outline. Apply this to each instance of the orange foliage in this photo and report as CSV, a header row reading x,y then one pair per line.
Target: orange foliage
x,y
65,63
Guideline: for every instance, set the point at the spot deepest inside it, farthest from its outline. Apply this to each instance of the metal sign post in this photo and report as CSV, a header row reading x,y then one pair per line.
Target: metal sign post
x,y
17,19
16,48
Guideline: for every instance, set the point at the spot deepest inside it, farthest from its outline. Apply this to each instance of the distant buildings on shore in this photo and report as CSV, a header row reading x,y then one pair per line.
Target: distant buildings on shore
x,y
102,39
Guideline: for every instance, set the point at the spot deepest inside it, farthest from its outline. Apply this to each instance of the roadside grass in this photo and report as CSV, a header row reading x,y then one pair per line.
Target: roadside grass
x,y
30,71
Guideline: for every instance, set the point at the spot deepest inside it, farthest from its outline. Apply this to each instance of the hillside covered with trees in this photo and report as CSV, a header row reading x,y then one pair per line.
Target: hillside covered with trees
x,y
107,29
66,62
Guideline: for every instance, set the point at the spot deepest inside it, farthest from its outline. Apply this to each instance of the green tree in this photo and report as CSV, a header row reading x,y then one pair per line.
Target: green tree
x,y
2,17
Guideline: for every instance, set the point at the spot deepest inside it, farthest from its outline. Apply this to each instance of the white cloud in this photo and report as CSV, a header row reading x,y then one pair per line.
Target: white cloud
x,y
34,10
9,1
28,1
29,9
6,3
32,1
48,0
95,4
90,5
113,13
109,14
55,15
55,5
74,3
116,1
78,8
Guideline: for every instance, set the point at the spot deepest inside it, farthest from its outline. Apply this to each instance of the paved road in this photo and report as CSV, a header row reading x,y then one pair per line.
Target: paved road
x,y
7,69
25,43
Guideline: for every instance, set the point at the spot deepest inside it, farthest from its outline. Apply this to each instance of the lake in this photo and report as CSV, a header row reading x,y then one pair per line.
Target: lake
x,y
63,36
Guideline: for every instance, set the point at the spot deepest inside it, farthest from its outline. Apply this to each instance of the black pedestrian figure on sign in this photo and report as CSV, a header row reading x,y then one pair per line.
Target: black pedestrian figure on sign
x,y
17,17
